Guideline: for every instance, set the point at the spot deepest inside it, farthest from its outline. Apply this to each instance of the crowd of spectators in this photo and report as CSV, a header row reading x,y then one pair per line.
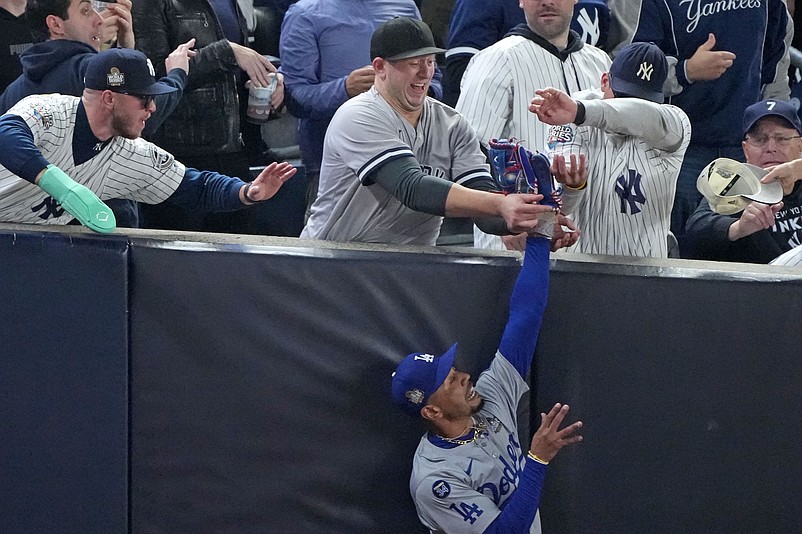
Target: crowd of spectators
x,y
490,59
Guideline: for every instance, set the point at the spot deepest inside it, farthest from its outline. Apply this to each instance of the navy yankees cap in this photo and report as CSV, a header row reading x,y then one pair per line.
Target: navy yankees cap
x,y
639,70
401,38
124,70
418,376
787,109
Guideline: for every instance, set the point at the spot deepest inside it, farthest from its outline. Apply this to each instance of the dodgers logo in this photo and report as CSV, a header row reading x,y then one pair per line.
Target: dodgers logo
x,y
559,134
161,159
441,489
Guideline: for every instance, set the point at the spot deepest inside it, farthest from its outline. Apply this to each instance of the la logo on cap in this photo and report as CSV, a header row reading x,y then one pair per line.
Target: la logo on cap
x,y
115,78
645,71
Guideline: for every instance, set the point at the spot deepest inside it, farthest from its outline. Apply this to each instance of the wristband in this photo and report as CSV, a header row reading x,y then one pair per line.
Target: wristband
x,y
580,188
247,196
580,113
535,458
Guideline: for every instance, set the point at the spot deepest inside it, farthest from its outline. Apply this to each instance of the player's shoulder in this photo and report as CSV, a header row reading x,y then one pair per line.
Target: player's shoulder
x,y
46,109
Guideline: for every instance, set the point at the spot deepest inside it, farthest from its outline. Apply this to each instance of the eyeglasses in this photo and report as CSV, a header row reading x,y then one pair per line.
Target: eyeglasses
x,y
760,141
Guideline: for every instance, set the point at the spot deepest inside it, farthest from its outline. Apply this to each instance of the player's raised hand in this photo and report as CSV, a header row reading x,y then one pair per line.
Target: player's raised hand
x,y
553,106
573,173
549,439
787,174
707,64
756,217
268,182
254,64
179,58
522,213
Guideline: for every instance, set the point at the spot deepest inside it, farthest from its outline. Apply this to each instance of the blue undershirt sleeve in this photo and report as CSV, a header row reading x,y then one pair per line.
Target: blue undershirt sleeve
x,y
18,152
527,305
521,507
207,192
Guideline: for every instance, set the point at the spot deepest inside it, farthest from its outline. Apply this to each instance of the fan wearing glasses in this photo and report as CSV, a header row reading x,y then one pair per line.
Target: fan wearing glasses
x,y
760,233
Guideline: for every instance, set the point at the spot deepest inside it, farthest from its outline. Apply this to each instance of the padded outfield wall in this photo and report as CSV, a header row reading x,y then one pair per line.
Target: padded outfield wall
x,y
186,383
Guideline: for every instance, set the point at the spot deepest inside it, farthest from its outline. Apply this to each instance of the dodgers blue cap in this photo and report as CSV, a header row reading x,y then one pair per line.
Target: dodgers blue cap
x,y
418,376
639,70
786,109
124,70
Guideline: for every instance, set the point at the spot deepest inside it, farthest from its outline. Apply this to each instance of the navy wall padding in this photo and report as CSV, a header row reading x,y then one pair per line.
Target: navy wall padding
x,y
691,395
63,383
260,382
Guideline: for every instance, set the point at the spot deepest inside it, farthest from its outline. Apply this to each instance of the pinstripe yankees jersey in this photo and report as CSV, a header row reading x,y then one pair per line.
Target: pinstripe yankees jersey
x,y
501,80
634,151
792,258
365,134
123,168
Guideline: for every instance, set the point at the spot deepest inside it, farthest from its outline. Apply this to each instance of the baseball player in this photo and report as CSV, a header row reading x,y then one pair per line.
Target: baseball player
x,y
396,161
621,193
469,472
501,79
76,148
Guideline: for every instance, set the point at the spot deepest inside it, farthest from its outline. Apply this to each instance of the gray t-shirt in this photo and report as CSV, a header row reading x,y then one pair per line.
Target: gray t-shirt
x,y
463,488
366,133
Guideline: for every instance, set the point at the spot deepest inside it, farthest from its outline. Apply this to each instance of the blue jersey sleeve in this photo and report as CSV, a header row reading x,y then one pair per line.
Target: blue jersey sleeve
x,y
521,507
208,192
527,304
18,151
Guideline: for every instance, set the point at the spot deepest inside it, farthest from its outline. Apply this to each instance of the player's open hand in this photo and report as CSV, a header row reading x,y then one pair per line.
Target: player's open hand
x,y
549,439
573,173
565,233
179,58
270,181
553,106
522,212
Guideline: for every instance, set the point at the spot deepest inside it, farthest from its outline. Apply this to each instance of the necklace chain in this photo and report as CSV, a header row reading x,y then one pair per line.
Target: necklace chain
x,y
478,430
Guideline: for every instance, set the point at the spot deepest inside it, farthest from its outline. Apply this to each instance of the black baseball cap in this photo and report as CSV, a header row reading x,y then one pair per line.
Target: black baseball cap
x,y
786,109
639,70
124,70
401,38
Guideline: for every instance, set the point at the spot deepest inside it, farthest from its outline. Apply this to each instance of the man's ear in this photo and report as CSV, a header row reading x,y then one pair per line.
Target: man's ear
x,y
379,64
605,81
430,412
55,25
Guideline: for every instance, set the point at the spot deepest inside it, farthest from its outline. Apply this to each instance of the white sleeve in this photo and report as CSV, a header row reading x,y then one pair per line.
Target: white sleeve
x,y
659,125
141,171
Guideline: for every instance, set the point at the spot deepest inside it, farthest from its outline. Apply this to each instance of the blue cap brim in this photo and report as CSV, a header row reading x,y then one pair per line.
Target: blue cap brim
x,y
633,89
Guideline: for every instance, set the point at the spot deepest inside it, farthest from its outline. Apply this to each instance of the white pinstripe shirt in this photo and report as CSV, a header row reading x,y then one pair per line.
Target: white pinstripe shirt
x,y
125,168
500,82
634,151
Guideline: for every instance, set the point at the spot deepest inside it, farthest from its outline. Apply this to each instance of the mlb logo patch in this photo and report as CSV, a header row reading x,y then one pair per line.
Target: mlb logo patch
x,y
559,134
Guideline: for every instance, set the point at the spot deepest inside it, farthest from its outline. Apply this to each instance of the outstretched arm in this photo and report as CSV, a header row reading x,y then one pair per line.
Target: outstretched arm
x,y
527,304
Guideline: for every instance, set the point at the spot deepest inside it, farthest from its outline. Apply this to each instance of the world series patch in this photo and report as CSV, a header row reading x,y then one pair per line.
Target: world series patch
x,y
43,116
559,134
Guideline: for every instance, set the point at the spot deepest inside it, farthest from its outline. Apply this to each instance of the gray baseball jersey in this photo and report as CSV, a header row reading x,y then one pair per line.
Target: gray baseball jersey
x,y
634,151
501,81
125,168
462,488
366,133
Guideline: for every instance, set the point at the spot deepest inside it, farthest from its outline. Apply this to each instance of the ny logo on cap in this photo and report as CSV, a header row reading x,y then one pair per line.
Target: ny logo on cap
x,y
428,358
645,71
115,78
